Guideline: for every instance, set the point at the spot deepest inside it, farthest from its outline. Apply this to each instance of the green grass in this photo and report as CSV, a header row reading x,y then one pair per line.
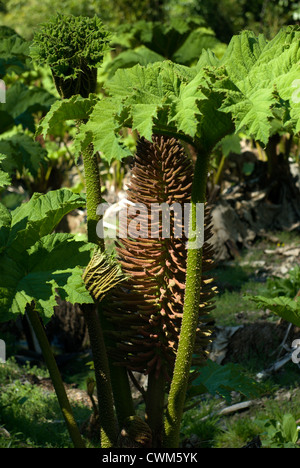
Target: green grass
x,y
233,306
235,279
240,429
30,413
236,430
237,433
200,422
286,237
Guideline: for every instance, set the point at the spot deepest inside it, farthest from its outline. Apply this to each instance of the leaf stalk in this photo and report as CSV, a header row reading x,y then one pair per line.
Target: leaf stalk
x,y
55,376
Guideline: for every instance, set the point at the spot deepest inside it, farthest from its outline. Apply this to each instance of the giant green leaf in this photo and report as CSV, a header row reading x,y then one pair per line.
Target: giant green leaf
x,y
37,264
263,72
242,54
52,267
151,93
23,102
104,128
39,217
184,110
249,89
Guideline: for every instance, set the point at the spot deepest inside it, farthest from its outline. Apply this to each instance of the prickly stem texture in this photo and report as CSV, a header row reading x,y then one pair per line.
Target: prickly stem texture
x,y
108,427
93,195
180,380
99,276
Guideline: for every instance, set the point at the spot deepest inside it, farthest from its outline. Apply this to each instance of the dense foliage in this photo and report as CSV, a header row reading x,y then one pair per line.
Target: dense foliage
x,y
226,17
169,93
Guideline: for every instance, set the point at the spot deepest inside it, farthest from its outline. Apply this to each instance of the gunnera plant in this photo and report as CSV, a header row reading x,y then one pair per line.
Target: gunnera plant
x,y
146,309
74,48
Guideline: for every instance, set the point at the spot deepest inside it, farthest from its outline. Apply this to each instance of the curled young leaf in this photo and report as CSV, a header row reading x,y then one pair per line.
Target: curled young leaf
x,y
73,47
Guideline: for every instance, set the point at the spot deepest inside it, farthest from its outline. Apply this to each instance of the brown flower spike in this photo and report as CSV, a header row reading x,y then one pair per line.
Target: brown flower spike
x,y
148,306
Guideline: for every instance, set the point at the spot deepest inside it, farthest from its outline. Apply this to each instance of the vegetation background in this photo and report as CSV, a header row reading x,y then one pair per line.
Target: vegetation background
x,y
29,413
225,17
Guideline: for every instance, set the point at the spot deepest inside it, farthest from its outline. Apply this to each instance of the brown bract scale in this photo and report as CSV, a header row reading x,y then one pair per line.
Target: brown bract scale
x,y
147,308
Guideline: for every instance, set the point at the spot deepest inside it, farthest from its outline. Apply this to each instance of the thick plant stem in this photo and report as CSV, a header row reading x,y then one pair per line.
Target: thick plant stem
x,y
104,389
122,393
108,426
93,195
220,170
55,377
190,318
112,383
119,380
155,401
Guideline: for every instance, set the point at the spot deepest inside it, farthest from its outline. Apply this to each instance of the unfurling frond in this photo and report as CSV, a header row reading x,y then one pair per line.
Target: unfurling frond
x,y
73,47
101,275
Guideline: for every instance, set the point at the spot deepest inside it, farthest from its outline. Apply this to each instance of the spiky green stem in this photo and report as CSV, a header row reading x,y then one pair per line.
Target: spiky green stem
x,y
104,389
93,195
112,383
55,377
190,318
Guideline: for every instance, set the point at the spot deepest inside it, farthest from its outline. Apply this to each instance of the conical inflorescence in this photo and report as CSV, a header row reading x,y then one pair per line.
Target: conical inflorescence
x,y
147,307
